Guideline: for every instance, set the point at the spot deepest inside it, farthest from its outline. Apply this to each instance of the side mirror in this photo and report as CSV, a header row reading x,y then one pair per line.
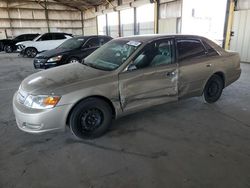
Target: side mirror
x,y
131,67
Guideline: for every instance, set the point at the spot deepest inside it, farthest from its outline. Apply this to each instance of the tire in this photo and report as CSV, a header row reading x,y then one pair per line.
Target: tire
x,y
73,60
31,52
213,89
90,118
8,49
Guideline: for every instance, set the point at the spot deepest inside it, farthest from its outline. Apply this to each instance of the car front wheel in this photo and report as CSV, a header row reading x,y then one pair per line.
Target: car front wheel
x,y
73,60
31,52
90,118
213,89
8,49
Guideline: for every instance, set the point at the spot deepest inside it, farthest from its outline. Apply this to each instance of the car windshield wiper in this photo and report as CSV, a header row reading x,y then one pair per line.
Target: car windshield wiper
x,y
94,66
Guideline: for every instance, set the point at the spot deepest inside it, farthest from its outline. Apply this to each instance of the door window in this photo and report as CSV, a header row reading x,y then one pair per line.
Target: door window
x,y
30,37
103,40
188,49
155,54
46,37
20,37
210,50
93,42
58,36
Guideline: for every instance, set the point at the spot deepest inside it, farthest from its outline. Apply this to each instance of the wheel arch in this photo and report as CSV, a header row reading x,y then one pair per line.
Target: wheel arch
x,y
107,100
71,57
218,73
29,47
222,76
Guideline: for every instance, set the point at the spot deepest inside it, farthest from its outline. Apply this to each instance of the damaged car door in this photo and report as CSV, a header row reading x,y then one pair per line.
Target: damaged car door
x,y
195,66
151,77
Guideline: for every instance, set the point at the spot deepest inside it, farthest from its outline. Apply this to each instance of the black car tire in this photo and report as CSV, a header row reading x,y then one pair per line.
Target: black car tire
x,y
213,89
8,49
90,118
31,52
73,60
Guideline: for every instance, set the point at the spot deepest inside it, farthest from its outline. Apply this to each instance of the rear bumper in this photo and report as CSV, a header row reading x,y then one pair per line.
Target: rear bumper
x,y
39,121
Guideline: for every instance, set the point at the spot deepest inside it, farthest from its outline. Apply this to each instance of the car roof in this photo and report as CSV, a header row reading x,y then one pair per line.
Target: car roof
x,y
90,36
147,38
57,33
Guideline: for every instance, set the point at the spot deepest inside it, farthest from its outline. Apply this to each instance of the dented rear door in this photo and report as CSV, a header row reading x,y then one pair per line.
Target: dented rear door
x,y
195,66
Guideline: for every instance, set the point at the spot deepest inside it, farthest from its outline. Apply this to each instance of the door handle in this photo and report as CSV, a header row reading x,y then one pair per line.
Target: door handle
x,y
209,65
171,74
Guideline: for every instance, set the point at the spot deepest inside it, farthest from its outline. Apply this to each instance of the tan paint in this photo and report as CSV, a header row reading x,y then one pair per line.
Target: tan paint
x,y
128,91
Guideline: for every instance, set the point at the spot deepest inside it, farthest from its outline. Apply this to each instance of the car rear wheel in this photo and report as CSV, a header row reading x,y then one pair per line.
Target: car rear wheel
x,y
90,118
73,60
8,49
31,52
213,89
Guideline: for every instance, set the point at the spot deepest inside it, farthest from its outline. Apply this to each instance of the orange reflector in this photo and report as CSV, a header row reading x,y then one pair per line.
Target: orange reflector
x,y
51,101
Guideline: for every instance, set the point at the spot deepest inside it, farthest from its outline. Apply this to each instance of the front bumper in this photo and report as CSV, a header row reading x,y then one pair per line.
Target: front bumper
x,y
39,121
20,49
43,64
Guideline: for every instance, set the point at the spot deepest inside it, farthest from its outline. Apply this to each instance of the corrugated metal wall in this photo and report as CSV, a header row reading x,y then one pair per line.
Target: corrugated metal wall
x,y
240,42
17,17
169,17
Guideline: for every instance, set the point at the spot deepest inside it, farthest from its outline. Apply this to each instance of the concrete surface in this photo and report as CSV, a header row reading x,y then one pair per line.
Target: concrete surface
x,y
184,145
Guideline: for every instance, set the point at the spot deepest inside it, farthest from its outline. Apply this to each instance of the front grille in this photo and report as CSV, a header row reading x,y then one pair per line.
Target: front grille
x,y
20,47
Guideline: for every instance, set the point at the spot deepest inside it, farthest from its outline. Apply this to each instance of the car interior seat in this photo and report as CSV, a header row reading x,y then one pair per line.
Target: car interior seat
x,y
141,61
164,56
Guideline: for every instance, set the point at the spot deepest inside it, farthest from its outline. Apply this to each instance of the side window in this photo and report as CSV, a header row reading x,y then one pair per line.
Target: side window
x,y
20,37
46,37
189,49
29,37
93,42
210,50
104,40
155,54
58,36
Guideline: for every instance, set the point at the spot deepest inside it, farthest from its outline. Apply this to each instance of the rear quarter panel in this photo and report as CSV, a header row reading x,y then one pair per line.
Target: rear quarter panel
x,y
230,65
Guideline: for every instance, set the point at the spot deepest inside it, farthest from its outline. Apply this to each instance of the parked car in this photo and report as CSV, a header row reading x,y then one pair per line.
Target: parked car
x,y
42,43
70,51
9,45
123,76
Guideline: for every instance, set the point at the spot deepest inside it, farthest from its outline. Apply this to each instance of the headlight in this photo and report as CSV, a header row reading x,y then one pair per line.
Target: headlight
x,y
41,101
56,58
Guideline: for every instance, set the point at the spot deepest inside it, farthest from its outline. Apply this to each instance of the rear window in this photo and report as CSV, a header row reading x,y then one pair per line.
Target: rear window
x,y
189,49
210,50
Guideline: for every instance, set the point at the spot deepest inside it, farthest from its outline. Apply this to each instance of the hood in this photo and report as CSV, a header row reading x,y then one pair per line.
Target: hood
x,y
48,81
25,43
52,53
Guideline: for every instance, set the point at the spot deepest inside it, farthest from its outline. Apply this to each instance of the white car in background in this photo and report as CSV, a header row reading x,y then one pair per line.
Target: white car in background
x,y
46,41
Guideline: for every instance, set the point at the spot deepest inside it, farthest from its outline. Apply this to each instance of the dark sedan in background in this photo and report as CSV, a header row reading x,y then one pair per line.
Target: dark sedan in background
x,y
9,45
72,50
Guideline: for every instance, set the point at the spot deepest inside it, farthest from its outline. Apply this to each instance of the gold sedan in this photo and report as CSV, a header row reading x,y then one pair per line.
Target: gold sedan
x,y
123,76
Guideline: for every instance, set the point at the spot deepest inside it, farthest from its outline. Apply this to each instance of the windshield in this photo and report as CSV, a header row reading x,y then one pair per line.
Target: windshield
x,y
112,55
35,39
72,43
